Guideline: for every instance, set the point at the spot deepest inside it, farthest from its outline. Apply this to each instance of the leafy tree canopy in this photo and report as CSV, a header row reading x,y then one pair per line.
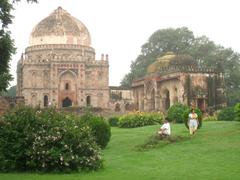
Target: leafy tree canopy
x,y
7,48
202,49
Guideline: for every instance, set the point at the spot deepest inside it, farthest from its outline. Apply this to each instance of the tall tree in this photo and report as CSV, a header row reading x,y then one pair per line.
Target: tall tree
x,y
205,51
175,40
7,48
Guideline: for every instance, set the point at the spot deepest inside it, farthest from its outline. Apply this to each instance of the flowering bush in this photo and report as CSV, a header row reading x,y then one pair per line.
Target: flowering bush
x,y
210,118
138,119
101,129
46,140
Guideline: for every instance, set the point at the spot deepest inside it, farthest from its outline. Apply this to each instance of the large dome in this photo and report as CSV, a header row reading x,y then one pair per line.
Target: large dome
x,y
60,28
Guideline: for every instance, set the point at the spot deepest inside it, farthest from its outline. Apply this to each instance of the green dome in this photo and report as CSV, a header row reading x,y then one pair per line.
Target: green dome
x,y
171,59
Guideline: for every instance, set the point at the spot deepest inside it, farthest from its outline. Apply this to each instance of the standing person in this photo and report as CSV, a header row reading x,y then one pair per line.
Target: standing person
x,y
192,121
165,129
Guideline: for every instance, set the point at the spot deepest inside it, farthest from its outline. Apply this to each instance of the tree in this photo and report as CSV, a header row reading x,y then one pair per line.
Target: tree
x,y
182,41
202,50
7,48
162,41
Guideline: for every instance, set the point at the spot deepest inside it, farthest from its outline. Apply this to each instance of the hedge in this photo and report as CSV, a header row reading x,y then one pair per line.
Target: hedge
x,y
138,119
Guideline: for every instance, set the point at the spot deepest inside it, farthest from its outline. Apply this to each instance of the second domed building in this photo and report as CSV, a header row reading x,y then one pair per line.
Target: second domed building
x,y
59,66
177,78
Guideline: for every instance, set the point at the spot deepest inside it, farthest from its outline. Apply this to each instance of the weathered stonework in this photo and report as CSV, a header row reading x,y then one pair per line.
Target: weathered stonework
x,y
59,66
8,102
183,83
121,99
4,105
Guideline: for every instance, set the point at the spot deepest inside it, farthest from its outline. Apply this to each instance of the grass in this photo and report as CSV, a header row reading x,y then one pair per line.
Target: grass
x,y
213,154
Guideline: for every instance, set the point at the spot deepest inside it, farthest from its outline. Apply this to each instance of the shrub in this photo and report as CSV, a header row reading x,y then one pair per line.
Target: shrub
x,y
237,111
113,121
186,113
46,140
226,114
175,112
210,118
138,119
101,129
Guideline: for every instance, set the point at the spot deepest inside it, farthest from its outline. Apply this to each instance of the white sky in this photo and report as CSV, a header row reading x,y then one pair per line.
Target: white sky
x,y
120,27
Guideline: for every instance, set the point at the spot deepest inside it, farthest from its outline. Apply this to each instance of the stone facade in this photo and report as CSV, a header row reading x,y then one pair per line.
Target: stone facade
x,y
118,92
170,84
121,99
4,105
59,66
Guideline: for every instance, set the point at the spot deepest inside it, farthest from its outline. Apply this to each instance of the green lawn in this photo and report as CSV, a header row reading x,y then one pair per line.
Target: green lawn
x,y
212,154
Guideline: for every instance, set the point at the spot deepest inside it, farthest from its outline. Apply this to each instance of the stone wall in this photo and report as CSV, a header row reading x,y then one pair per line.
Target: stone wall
x,y
4,105
9,102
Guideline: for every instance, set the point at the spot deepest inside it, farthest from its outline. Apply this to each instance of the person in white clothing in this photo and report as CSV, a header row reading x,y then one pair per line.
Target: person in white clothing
x,y
193,122
165,128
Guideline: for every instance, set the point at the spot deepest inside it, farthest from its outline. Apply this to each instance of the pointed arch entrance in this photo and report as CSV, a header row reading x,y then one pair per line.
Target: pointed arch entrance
x,y
67,88
117,107
66,102
166,99
45,101
88,100
175,95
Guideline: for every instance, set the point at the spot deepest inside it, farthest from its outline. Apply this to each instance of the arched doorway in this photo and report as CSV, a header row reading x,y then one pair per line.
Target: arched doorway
x,y
67,88
117,107
166,99
45,101
66,102
127,107
175,96
88,100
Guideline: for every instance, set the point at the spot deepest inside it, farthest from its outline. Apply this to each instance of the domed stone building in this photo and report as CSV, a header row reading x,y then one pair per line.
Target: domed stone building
x,y
175,79
59,66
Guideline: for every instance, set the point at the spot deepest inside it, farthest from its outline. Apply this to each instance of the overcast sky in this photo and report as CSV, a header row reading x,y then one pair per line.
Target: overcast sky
x,y
120,27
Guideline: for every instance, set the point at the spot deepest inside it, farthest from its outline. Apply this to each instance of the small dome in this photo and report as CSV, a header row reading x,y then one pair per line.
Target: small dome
x,y
171,59
60,28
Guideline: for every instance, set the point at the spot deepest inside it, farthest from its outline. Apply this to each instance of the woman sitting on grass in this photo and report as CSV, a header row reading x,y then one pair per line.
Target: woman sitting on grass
x,y
165,129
